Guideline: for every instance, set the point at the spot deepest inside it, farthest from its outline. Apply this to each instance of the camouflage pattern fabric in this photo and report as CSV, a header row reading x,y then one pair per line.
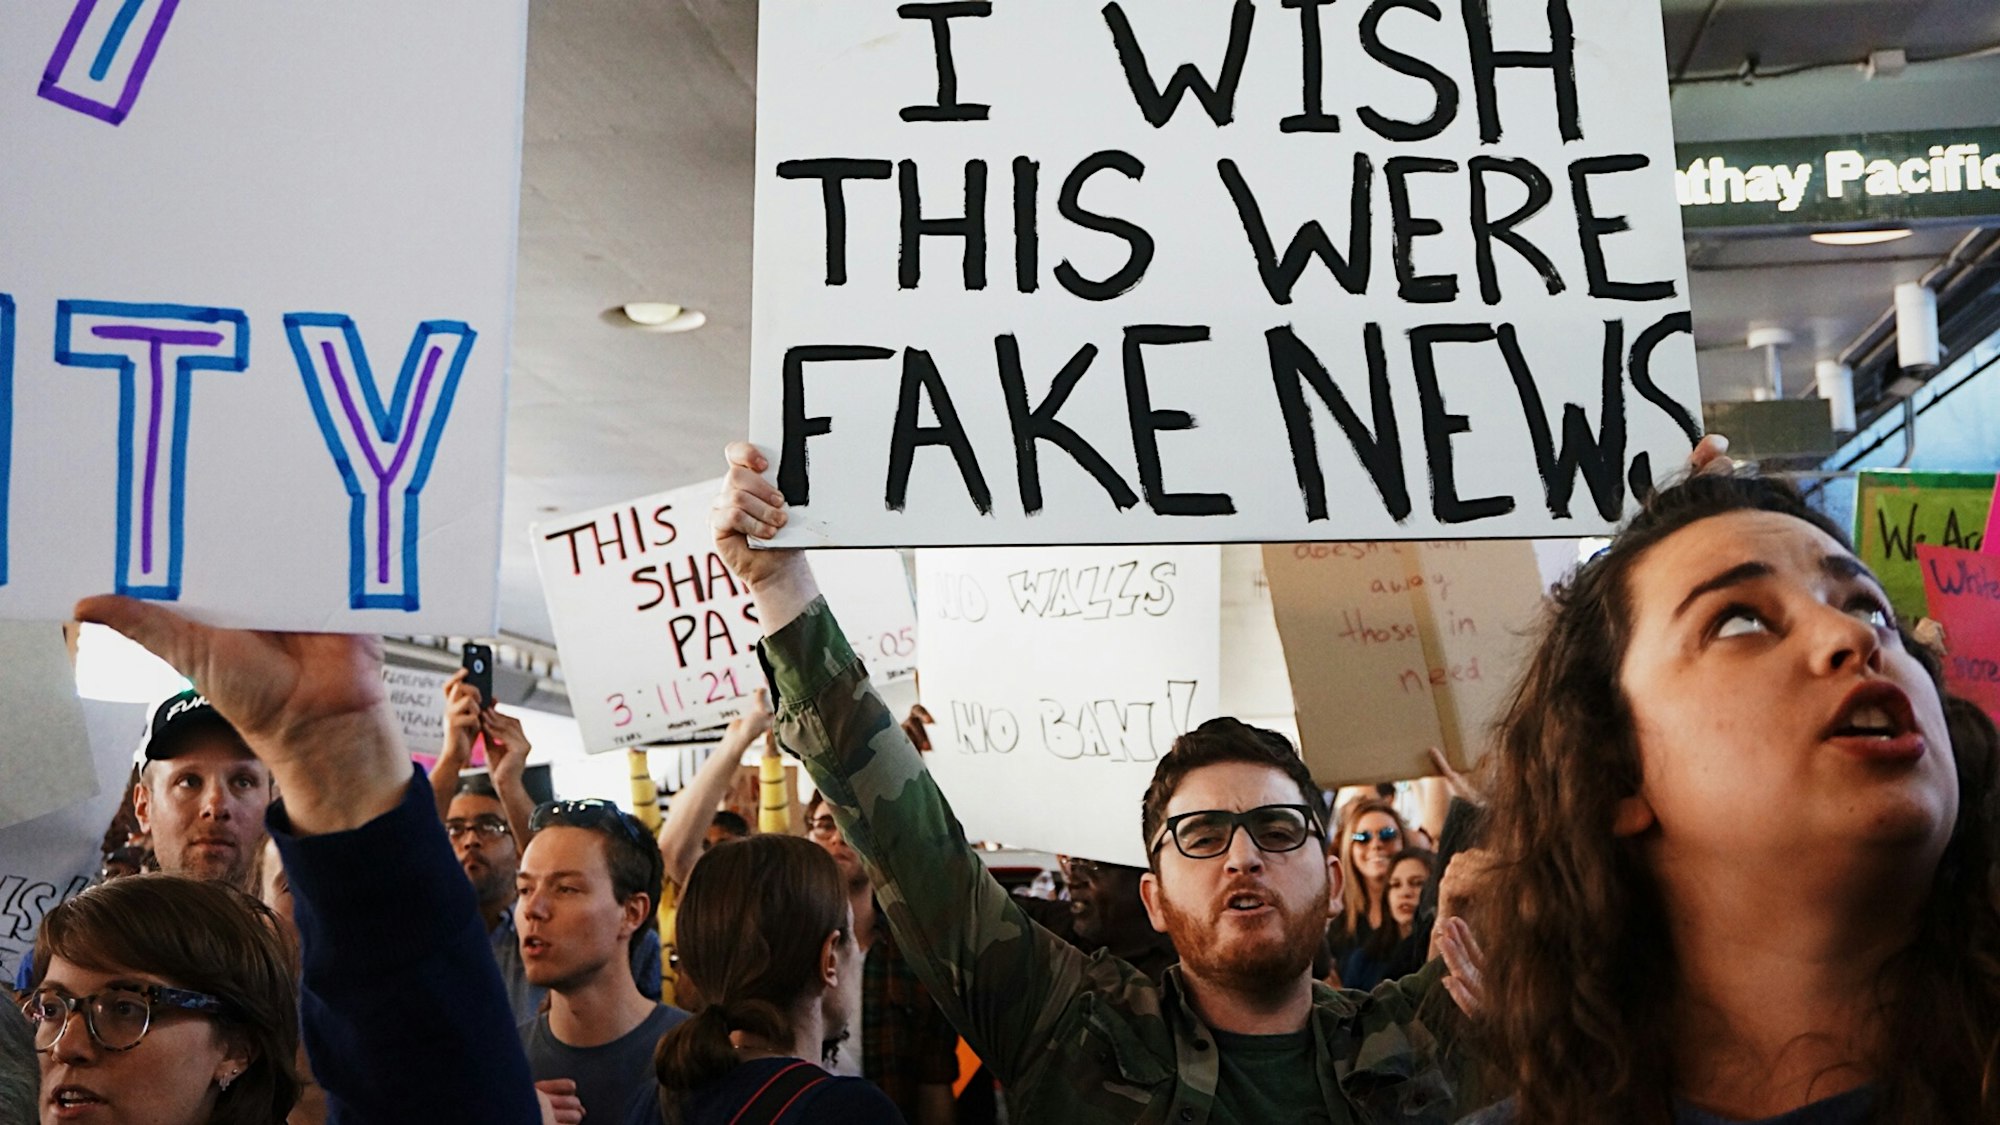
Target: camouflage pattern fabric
x,y
1073,1038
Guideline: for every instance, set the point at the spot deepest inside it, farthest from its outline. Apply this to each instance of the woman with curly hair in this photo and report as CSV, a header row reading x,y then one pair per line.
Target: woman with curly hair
x,y
1741,873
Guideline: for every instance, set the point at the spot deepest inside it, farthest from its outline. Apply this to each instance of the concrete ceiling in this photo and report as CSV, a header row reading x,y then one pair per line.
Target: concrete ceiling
x,y
637,183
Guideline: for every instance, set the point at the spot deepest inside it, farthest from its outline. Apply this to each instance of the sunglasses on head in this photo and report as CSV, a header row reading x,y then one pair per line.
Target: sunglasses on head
x,y
1384,834
594,813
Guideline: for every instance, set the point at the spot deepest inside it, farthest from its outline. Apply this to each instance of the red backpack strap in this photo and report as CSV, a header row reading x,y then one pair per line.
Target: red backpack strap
x,y
776,1096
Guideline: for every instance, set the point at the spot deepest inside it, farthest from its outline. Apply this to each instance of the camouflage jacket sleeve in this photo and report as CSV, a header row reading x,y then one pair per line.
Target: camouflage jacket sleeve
x,y
1000,979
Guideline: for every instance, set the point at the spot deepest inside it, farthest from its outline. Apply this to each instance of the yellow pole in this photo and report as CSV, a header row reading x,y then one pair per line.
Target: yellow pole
x,y
774,800
645,794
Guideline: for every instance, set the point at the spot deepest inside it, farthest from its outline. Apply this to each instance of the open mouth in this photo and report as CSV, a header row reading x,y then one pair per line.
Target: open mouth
x,y
533,946
1245,902
73,1098
1877,719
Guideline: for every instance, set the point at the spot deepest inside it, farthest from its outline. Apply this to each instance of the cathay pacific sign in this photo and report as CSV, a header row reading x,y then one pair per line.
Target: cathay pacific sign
x,y
1844,180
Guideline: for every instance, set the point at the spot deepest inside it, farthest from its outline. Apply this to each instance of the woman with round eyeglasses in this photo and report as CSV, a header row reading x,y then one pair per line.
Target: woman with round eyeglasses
x,y
1741,873
1372,837
157,1000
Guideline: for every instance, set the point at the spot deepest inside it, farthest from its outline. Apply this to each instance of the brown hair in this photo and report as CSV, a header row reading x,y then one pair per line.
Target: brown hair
x,y
1212,743
206,937
1581,973
1355,901
749,931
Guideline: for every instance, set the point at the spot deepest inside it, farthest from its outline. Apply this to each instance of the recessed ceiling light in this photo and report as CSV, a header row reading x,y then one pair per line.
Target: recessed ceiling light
x,y
656,316
1860,237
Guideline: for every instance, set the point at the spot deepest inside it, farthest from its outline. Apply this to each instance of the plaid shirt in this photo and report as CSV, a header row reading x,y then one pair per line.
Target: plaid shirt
x,y
905,1040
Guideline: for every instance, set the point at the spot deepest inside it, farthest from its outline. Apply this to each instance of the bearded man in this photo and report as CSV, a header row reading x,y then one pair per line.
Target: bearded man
x,y
1241,878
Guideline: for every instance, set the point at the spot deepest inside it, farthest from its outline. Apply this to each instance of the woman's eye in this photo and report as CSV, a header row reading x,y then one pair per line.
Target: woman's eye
x,y
1739,623
1871,611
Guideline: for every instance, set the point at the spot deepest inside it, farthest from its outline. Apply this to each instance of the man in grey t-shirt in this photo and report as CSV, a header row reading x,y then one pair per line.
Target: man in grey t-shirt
x,y
589,882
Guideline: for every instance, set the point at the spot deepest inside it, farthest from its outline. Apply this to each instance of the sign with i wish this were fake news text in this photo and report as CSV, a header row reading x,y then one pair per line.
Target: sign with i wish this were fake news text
x,y
256,277
1045,272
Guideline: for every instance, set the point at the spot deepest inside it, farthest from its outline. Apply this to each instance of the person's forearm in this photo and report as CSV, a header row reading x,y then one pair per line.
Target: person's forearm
x,y
515,802
781,598
444,781
693,810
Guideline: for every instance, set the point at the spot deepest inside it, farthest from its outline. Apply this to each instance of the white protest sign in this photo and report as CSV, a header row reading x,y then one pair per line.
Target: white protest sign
x,y
256,283
44,748
1397,647
1187,271
53,857
659,639
1058,677
417,697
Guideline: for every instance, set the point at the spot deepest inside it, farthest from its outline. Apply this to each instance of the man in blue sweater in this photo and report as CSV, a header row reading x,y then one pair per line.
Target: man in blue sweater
x,y
403,1012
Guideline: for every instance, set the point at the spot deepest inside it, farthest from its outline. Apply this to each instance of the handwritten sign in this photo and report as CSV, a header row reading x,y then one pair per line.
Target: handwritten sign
x,y
42,738
658,638
1397,647
1962,589
254,311
1058,678
53,857
1896,513
1188,271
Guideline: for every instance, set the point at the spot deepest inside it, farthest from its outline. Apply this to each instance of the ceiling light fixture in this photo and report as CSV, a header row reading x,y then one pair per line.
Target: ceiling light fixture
x,y
656,316
1860,237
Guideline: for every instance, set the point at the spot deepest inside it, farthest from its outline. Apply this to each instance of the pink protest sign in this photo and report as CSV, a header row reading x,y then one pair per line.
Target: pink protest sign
x,y
1992,524
1963,591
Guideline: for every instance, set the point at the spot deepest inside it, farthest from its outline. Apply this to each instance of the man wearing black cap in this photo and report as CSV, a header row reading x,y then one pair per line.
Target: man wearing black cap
x,y
201,794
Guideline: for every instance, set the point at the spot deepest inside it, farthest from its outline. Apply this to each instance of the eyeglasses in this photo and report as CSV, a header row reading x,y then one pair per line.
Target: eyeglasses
x,y
822,827
1384,834
1207,833
117,1018
1079,870
594,813
491,827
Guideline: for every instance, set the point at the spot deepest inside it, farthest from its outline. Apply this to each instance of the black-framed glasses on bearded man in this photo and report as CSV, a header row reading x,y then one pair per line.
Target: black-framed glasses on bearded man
x,y
1207,833
117,1018
594,813
490,827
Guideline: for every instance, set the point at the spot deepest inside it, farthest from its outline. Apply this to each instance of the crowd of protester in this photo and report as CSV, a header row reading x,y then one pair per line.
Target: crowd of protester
x,y
295,924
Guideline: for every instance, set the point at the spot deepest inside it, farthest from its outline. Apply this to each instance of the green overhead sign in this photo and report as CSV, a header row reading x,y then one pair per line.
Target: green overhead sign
x,y
1857,179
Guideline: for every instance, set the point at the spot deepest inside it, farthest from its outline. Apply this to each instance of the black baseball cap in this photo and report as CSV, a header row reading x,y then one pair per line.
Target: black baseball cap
x,y
177,720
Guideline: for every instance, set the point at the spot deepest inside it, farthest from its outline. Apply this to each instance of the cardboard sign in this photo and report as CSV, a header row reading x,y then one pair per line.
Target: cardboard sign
x,y
43,744
1962,589
254,307
1192,271
1397,647
659,639
1058,678
1895,513
53,857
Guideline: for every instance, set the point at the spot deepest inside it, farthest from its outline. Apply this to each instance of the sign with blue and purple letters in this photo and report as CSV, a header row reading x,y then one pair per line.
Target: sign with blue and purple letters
x,y
256,277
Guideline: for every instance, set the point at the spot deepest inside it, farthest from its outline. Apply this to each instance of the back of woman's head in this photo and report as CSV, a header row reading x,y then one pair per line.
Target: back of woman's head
x,y
1581,971
749,930
205,937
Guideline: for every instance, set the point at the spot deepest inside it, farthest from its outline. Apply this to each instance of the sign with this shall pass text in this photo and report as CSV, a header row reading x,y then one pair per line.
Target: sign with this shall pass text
x,y
658,639
256,286
1209,271
1058,677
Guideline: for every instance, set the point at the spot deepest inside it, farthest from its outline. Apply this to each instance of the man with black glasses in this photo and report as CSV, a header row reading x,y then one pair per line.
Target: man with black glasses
x,y
1241,878
589,883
